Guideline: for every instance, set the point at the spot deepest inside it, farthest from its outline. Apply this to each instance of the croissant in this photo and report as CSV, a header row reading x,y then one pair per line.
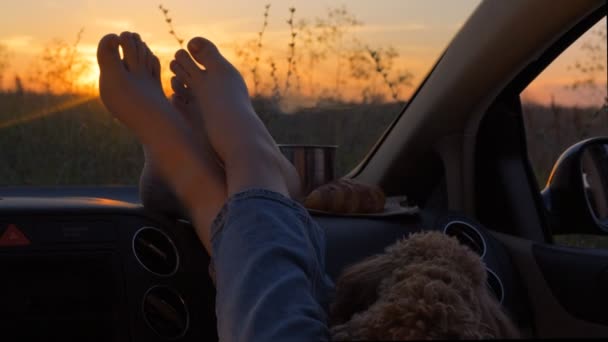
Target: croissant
x,y
346,196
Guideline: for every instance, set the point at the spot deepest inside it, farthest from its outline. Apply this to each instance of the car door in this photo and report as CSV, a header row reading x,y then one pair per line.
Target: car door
x,y
520,137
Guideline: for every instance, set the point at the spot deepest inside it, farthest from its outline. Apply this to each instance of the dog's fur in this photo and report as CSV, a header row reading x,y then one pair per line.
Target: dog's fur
x,y
427,286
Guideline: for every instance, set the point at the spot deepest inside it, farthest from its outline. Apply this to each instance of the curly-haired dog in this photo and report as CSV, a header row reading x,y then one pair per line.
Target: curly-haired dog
x,y
427,286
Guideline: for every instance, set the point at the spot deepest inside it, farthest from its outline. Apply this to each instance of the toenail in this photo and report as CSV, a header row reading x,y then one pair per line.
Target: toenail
x,y
195,45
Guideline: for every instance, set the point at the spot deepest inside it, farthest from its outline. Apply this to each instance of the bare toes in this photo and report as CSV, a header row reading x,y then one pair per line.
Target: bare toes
x,y
129,50
206,53
141,51
179,88
147,60
179,71
151,62
107,52
184,59
155,65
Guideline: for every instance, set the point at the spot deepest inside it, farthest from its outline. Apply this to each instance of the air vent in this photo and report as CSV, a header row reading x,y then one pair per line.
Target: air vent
x,y
155,251
165,312
467,235
495,285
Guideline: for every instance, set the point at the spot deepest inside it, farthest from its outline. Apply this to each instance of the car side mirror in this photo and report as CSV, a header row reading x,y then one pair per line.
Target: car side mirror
x,y
576,195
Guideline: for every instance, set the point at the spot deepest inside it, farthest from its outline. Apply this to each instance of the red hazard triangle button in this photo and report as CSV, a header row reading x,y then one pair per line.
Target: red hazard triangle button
x,y
13,237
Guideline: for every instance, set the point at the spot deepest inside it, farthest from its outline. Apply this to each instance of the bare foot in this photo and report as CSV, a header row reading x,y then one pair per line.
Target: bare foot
x,y
239,137
130,88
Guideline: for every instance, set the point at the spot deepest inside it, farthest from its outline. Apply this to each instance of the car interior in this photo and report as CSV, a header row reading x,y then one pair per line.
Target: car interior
x,y
94,264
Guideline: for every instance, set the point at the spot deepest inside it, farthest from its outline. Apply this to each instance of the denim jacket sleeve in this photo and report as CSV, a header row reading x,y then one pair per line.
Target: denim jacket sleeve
x,y
269,258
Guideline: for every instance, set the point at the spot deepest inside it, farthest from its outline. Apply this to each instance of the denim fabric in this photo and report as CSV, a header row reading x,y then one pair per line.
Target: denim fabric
x,y
269,259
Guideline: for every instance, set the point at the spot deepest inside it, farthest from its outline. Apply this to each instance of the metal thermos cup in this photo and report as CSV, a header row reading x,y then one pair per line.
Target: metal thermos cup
x,y
315,163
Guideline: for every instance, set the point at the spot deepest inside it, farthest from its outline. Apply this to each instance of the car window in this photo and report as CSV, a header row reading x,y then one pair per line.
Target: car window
x,y
565,104
319,72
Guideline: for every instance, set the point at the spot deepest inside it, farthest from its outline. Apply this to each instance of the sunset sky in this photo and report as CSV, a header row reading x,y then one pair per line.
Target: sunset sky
x,y
418,29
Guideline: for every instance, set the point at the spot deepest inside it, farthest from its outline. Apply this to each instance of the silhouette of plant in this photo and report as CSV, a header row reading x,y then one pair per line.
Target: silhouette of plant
x,y
4,63
366,63
19,89
59,67
330,38
314,51
323,37
276,91
169,22
291,56
383,62
593,66
258,52
333,29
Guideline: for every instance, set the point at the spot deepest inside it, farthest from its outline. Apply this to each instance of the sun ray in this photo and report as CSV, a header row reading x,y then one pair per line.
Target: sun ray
x,y
49,111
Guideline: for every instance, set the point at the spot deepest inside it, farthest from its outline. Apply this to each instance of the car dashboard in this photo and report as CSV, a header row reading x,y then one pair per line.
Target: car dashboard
x,y
88,268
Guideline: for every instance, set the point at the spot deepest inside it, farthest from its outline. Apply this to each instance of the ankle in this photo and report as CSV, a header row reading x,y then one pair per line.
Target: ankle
x,y
257,166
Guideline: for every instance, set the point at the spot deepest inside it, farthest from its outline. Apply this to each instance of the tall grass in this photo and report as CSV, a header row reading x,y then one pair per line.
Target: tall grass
x,y
169,21
84,144
59,67
326,45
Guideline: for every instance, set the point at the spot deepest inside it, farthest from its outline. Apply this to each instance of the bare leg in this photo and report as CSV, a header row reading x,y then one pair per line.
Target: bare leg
x,y
130,88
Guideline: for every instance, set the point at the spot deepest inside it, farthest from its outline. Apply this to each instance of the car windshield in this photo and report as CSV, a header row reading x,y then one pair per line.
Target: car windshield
x,y
319,72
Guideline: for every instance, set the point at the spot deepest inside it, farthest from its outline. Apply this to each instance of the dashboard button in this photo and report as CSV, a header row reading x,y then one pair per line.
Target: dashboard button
x,y
13,236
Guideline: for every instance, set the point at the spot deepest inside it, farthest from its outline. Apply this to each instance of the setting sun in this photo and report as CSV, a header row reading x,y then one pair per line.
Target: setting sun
x,y
89,80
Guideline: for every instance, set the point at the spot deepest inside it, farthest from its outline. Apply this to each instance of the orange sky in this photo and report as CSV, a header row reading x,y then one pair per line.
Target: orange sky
x,y
416,28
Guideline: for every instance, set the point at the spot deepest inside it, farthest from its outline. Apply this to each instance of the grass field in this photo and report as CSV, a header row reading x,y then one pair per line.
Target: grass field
x,y
48,140
64,140
59,140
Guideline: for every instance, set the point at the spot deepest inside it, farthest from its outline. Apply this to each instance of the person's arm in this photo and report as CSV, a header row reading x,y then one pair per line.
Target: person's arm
x,y
270,270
